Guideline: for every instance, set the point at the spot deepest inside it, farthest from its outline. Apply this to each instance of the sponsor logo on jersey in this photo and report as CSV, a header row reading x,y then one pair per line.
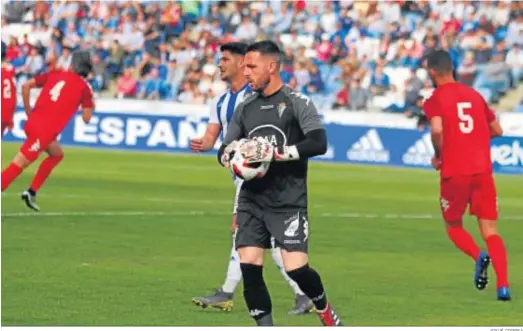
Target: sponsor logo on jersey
x,y
369,148
271,133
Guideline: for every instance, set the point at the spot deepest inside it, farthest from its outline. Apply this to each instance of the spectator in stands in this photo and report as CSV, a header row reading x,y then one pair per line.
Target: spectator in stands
x,y
126,86
34,63
380,81
14,11
395,100
246,31
514,60
467,70
303,77
115,58
316,82
41,34
324,49
64,61
150,87
358,96
99,73
13,50
515,31
71,38
345,40
342,98
495,76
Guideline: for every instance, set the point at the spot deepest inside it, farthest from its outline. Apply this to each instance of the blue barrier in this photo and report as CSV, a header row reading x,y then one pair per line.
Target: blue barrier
x,y
347,143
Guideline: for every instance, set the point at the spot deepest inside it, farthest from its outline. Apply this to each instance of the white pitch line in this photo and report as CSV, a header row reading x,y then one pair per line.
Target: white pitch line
x,y
204,213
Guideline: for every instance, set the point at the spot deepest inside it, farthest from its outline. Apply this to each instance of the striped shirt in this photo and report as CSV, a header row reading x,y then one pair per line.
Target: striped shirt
x,y
223,107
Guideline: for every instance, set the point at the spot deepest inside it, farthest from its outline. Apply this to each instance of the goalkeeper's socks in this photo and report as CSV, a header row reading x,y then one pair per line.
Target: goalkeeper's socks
x,y
310,283
464,241
498,255
10,174
256,294
276,257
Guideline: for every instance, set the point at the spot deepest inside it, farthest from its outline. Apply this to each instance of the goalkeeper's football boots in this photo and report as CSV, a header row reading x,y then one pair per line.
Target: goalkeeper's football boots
x,y
329,317
30,200
480,273
504,294
303,305
217,299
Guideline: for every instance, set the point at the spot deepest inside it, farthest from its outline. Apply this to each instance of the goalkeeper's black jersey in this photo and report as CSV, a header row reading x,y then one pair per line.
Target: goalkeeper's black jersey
x,y
283,119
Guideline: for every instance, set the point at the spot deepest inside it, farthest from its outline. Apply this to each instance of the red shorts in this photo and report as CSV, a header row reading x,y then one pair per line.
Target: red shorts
x,y
37,141
476,191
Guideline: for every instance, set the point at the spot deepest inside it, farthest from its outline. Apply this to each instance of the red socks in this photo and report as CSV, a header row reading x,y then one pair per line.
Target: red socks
x,y
498,255
9,175
44,171
464,241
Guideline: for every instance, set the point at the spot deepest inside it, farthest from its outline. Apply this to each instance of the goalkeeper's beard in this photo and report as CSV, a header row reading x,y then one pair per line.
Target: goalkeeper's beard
x,y
263,86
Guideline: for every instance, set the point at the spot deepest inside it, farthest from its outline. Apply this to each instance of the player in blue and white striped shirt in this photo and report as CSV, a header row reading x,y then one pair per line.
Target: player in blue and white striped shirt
x,y
222,109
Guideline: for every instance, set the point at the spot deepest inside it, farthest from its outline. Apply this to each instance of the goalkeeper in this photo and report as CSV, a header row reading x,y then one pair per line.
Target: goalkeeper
x,y
286,130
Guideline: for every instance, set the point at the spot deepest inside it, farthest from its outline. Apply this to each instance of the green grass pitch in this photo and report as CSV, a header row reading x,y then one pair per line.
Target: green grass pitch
x,y
129,238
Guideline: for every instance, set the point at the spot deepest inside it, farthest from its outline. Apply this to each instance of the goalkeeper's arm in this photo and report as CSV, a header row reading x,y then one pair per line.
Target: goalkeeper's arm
x,y
314,144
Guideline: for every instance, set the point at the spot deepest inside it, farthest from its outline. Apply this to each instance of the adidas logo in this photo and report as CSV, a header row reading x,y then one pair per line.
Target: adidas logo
x,y
369,148
420,153
35,147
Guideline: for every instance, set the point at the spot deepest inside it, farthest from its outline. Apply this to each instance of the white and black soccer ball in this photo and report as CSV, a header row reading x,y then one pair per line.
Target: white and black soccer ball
x,y
244,170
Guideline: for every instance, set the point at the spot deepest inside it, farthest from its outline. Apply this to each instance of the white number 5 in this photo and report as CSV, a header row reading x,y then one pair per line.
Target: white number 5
x,y
56,90
466,124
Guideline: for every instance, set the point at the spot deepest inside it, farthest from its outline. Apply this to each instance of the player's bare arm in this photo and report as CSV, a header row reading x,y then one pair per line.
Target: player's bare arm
x,y
436,127
208,140
87,114
495,129
26,94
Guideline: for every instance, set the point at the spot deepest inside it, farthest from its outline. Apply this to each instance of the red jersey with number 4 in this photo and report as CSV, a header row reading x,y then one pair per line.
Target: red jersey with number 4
x,y
8,93
63,92
466,131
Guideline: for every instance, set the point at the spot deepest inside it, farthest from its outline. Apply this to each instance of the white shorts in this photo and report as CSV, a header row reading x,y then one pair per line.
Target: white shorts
x,y
238,185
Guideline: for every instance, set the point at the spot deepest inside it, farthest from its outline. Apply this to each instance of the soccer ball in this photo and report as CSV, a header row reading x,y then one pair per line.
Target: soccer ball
x,y
244,170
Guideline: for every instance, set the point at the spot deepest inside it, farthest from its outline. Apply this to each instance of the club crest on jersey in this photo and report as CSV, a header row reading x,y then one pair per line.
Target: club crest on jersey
x,y
281,108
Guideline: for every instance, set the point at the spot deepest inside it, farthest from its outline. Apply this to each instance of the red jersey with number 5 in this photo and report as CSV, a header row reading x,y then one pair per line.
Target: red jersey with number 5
x,y
63,92
8,93
466,131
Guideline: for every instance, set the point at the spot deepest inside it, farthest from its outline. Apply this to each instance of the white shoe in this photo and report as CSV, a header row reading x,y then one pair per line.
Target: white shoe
x,y
30,200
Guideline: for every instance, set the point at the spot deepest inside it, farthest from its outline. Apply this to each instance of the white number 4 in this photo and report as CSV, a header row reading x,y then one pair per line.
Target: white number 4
x,y
466,124
56,90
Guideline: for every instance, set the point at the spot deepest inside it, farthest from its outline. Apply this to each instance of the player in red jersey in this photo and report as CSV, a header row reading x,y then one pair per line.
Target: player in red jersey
x,y
8,95
462,126
63,92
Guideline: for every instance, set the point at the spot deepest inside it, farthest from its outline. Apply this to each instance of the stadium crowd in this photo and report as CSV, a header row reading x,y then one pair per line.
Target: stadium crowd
x,y
344,54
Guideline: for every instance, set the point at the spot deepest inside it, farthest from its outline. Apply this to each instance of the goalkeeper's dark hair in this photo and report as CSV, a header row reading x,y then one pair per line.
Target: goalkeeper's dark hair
x,y
439,61
266,47
235,48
